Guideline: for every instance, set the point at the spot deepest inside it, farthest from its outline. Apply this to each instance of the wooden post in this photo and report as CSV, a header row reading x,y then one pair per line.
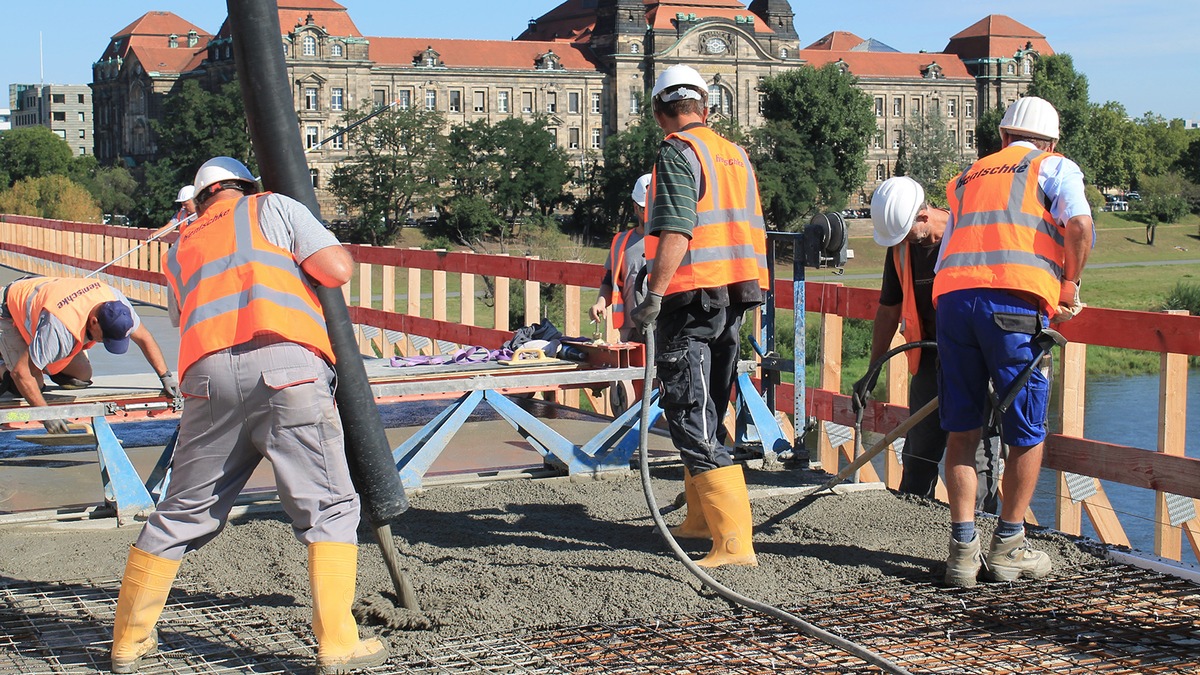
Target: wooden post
x,y
466,291
570,397
501,303
414,300
1068,515
897,394
533,300
1172,429
388,290
365,297
439,297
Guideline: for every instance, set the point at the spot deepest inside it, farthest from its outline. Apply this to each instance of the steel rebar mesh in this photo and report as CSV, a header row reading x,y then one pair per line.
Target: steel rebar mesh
x,y
1107,619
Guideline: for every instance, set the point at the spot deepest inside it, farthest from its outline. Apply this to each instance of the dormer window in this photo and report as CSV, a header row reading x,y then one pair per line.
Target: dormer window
x,y
429,58
842,66
549,61
173,41
932,71
1027,66
193,38
309,45
335,50
1012,69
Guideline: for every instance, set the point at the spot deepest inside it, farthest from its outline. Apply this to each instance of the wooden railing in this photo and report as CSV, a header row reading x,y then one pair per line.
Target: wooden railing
x,y
401,303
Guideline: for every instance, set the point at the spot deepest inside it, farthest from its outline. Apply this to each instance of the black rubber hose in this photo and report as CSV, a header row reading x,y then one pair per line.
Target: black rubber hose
x,y
724,591
271,117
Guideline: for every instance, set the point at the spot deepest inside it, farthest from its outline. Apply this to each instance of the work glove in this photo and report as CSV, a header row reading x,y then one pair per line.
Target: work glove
x,y
859,393
56,426
596,311
647,312
170,385
1068,302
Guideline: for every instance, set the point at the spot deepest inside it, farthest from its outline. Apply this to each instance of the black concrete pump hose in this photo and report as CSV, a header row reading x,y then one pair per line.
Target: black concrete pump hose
x,y
725,592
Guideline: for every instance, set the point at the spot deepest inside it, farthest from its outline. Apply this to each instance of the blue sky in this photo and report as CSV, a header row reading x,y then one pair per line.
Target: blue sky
x,y
1145,55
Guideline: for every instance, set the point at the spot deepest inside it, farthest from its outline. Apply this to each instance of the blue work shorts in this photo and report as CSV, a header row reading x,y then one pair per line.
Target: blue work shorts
x,y
987,334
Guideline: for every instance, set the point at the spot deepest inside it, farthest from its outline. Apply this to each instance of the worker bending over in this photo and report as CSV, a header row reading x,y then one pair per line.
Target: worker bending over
x,y
1019,235
706,247
47,324
255,361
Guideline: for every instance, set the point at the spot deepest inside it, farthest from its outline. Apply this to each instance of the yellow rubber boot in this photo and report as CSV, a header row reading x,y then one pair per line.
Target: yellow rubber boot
x,y
726,502
331,571
694,526
143,593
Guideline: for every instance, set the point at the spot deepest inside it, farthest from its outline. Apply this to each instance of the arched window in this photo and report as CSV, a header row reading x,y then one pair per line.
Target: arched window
x,y
879,172
1012,69
635,47
720,100
310,45
783,52
1027,66
335,50
315,175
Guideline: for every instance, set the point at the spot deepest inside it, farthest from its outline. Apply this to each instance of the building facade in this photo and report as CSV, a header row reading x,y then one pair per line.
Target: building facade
x,y
586,64
65,109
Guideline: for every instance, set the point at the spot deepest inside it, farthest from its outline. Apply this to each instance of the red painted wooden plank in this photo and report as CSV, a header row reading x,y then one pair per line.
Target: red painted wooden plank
x,y
443,330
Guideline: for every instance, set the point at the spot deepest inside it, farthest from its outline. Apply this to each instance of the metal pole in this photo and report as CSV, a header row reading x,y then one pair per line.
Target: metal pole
x,y
271,118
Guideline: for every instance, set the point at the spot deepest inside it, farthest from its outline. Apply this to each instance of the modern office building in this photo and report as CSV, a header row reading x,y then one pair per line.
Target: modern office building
x,y
66,109
586,64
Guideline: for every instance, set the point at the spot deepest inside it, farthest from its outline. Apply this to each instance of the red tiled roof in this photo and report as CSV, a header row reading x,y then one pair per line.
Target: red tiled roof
x,y
837,41
167,60
996,36
514,54
158,23
888,64
327,14
569,20
152,31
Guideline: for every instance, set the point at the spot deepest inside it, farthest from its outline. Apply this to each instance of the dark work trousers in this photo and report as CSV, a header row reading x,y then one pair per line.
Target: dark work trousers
x,y
696,358
926,444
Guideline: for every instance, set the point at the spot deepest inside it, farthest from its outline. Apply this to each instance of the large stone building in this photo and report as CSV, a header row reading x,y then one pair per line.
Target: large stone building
x,y
65,109
586,64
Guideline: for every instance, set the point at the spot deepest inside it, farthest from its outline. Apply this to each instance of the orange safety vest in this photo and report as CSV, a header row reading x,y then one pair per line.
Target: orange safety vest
x,y
729,240
616,264
70,300
1004,235
910,321
232,284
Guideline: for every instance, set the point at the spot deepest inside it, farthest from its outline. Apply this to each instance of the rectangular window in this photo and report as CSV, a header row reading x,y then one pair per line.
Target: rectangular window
x,y
336,98
81,98
431,99
455,101
635,99
573,102
82,150
951,107
480,102
954,136
968,108
527,101
404,99
338,142
59,116
596,139
895,139
551,102
62,133
762,99
879,106
915,108
502,101
970,138
58,98
595,103
573,138
879,140
553,136
879,172
82,117
379,96
82,133
897,107
312,136
310,98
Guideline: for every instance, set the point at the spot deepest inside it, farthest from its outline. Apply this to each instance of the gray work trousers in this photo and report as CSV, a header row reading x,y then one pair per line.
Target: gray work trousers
x,y
696,351
254,401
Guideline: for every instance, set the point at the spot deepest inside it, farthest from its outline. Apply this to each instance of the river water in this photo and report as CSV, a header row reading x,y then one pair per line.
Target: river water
x,y
1124,410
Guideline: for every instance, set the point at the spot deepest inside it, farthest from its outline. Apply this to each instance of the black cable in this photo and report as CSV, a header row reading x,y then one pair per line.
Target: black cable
x,y
725,592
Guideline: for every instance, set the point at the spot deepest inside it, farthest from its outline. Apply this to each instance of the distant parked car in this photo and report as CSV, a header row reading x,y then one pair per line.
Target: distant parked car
x,y
1117,205
1134,196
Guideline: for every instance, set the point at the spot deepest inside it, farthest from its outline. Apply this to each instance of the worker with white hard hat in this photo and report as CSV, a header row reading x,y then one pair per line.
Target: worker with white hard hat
x,y
185,198
706,248
255,363
912,230
1019,235
626,259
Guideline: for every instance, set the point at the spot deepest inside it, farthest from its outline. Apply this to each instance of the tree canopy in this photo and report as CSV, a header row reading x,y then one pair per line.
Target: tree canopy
x,y
1056,80
931,153
32,152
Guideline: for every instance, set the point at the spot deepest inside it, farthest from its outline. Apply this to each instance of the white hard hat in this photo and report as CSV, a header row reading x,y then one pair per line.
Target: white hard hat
x,y
680,82
220,169
640,188
1031,116
185,193
894,207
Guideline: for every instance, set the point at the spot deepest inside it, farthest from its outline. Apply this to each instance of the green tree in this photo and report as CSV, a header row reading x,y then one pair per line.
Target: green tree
x,y
532,169
1189,162
1056,80
1164,143
628,154
987,131
930,150
114,188
32,152
1110,153
834,120
901,167
394,169
1165,198
53,196
789,177
196,126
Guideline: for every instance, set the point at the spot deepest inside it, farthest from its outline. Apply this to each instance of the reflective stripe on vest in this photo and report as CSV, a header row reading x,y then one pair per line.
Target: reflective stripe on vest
x,y
616,264
232,284
910,320
729,240
1004,235
70,300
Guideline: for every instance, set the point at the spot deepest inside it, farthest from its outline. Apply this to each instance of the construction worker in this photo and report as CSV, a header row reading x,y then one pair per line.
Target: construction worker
x,y
626,259
1019,235
912,232
187,204
47,324
254,361
706,248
